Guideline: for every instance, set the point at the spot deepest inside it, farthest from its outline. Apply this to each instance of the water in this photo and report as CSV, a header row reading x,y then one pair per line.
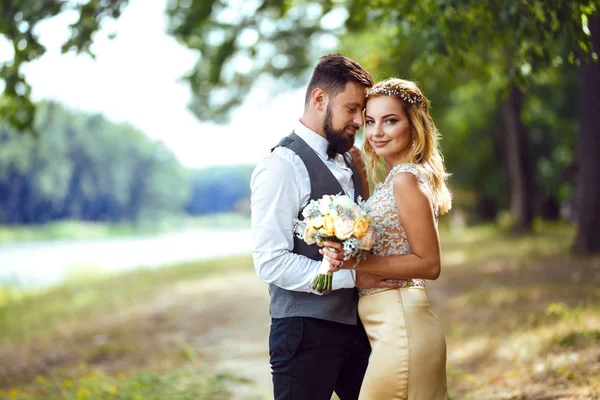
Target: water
x,y
44,263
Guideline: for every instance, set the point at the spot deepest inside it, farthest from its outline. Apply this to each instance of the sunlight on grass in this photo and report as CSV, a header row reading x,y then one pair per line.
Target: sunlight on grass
x,y
180,384
485,242
523,327
24,313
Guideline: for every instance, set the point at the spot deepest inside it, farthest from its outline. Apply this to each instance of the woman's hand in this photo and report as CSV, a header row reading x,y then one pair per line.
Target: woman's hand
x,y
334,253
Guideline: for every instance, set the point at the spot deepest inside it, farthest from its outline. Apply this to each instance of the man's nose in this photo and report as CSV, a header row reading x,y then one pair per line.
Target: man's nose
x,y
358,119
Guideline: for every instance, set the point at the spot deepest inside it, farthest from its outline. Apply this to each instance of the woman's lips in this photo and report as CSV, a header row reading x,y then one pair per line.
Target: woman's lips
x,y
380,143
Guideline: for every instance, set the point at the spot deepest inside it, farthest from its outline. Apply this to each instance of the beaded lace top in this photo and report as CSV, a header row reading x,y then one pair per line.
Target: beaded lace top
x,y
391,238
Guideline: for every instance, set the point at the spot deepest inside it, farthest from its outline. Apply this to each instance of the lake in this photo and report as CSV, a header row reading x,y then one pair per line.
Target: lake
x,y
37,264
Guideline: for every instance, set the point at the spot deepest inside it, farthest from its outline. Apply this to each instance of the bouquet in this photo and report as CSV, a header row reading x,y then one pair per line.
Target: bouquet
x,y
336,219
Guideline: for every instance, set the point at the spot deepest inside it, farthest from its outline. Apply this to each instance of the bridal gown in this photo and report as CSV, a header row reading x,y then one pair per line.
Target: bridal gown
x,y
408,356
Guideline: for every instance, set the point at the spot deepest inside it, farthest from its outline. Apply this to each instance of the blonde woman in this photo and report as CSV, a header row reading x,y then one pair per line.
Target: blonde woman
x,y
408,358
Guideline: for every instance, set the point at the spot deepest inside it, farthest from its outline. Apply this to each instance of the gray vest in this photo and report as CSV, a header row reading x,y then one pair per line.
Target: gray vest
x,y
340,305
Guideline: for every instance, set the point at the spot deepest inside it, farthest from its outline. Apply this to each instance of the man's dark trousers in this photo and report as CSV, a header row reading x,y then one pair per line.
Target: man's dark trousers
x,y
311,358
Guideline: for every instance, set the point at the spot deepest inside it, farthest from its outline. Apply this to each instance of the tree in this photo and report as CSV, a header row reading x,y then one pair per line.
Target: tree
x,y
587,240
237,45
84,167
514,39
18,22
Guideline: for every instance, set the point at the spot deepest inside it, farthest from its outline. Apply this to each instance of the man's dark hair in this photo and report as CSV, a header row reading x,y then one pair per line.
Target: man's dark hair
x,y
333,72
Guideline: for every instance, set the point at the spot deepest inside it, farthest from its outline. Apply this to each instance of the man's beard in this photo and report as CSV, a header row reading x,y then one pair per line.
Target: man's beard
x,y
339,142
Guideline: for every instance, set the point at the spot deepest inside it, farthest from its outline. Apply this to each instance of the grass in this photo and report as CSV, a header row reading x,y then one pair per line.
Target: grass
x,y
96,343
71,229
181,384
521,317
24,314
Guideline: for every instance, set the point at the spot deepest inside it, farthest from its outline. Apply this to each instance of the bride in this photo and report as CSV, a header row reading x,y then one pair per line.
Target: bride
x,y
408,358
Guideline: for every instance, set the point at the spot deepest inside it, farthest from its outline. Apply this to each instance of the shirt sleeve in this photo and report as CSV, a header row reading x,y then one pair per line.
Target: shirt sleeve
x,y
275,203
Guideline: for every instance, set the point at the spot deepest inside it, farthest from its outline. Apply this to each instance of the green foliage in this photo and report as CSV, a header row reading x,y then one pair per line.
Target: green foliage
x,y
579,338
512,40
239,44
467,109
18,23
84,167
515,40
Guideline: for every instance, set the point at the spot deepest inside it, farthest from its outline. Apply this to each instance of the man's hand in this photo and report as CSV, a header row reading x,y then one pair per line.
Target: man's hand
x,y
367,280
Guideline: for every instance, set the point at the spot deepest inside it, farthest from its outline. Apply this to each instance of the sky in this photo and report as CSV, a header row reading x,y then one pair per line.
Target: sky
x,y
136,78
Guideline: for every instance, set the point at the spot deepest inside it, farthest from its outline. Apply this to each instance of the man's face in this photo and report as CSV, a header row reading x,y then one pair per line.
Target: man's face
x,y
343,117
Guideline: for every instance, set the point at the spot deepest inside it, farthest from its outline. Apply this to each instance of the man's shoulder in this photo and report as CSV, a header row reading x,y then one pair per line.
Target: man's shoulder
x,y
280,161
281,156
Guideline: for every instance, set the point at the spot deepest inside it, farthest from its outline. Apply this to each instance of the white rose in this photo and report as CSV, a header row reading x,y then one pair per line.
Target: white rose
x,y
316,222
333,212
343,228
343,201
325,205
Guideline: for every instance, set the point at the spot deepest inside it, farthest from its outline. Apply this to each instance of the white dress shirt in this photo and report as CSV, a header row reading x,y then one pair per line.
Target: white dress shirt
x,y
280,189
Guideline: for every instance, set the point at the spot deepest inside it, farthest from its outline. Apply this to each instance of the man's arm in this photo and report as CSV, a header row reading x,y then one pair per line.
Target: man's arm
x,y
275,203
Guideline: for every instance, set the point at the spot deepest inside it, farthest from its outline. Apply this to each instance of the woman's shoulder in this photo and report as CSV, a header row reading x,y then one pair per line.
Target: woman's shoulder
x,y
413,173
409,181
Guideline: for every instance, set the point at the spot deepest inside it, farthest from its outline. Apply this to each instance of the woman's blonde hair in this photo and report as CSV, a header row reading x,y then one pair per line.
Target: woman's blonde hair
x,y
425,148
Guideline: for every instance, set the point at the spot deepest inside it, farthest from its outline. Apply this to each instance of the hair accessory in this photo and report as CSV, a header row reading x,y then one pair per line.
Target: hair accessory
x,y
412,98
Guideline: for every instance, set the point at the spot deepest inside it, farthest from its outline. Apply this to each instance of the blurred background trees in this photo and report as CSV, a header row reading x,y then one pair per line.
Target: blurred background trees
x,y
514,87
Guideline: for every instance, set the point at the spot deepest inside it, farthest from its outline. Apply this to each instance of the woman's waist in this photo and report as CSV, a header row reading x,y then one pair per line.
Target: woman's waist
x,y
403,284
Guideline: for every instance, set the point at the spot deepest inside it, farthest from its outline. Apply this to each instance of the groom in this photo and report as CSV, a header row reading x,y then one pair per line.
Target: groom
x,y
317,345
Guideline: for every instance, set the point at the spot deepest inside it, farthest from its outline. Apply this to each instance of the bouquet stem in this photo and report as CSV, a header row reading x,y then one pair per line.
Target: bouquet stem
x,y
322,281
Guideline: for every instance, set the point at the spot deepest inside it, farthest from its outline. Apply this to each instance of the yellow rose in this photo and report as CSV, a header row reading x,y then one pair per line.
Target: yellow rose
x,y
328,229
309,235
360,227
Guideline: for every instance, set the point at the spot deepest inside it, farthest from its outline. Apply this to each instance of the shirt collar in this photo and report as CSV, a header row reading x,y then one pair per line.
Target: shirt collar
x,y
317,142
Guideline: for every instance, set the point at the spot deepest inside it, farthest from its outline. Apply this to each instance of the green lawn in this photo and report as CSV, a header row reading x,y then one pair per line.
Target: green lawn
x,y
66,320
521,315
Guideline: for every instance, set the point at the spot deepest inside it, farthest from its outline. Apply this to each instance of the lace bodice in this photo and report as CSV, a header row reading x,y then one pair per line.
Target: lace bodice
x,y
391,238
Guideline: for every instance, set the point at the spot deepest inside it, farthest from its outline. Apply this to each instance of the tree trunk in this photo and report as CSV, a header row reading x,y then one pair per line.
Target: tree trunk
x,y
518,163
587,201
486,208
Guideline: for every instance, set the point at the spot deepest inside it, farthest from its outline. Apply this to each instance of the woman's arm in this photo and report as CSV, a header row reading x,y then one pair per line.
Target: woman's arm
x,y
418,220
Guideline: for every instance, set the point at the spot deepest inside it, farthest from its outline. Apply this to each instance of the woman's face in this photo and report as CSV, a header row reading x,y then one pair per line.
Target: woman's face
x,y
387,129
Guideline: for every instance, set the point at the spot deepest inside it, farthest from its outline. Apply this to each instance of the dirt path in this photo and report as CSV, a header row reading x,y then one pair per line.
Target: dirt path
x,y
236,317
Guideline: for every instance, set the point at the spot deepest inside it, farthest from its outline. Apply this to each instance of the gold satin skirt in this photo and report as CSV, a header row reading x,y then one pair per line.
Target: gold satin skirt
x,y
408,348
